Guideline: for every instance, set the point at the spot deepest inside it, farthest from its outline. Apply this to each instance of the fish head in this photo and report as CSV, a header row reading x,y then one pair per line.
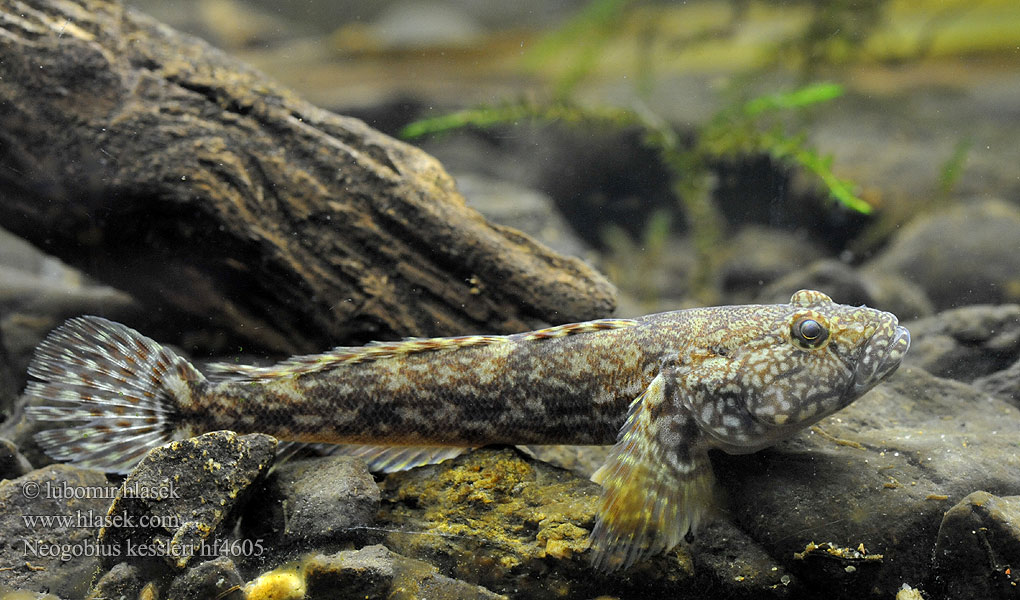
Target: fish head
x,y
797,364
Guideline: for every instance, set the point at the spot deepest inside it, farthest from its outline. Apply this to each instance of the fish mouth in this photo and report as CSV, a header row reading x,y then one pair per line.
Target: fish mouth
x,y
881,357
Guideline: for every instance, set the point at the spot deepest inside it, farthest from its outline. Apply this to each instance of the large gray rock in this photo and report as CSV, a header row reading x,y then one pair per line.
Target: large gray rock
x,y
61,554
1004,383
966,254
175,501
12,463
317,502
977,554
376,572
122,581
879,473
522,208
756,256
217,578
966,343
848,285
722,552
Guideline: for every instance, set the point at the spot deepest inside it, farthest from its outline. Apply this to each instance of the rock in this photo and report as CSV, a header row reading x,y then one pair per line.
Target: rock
x,y
37,293
848,285
966,254
122,581
653,274
879,473
898,295
217,578
234,24
756,256
485,514
20,431
741,566
12,463
515,526
376,572
966,343
12,594
62,555
184,491
19,255
583,460
9,384
1004,383
977,554
525,209
311,502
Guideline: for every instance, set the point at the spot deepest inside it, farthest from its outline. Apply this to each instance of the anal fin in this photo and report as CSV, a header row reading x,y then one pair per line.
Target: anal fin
x,y
388,459
380,459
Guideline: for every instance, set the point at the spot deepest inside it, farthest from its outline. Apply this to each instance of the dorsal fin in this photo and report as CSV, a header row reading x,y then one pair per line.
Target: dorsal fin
x,y
560,331
349,355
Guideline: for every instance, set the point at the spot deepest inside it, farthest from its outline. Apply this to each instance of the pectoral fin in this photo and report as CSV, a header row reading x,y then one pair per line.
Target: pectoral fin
x,y
656,483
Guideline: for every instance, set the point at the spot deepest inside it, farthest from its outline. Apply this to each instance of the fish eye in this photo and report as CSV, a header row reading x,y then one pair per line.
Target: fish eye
x,y
808,333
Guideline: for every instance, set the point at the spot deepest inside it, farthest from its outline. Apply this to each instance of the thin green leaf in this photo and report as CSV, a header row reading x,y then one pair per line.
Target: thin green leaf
x,y
805,96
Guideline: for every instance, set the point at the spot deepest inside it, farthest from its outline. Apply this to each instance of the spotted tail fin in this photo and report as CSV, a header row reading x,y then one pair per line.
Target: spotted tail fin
x,y
656,483
114,392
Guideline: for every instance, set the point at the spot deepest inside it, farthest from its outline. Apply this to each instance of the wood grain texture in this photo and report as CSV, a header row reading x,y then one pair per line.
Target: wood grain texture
x,y
164,167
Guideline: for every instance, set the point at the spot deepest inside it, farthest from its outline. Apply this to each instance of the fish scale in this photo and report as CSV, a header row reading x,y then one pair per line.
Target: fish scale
x,y
663,389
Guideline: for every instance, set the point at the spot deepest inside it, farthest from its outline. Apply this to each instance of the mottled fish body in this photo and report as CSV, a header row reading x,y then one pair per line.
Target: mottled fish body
x,y
663,388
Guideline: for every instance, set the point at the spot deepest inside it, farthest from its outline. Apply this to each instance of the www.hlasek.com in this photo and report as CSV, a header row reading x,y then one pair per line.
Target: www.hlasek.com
x,y
132,549
93,519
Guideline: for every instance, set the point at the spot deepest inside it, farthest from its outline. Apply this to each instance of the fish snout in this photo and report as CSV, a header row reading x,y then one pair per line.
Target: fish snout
x,y
881,357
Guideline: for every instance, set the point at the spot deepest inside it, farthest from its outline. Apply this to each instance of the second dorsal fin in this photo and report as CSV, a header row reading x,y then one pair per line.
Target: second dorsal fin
x,y
349,355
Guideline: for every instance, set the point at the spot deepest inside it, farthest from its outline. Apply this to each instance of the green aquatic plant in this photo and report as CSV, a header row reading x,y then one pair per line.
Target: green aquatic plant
x,y
742,130
799,98
513,113
768,124
745,128
688,169
952,168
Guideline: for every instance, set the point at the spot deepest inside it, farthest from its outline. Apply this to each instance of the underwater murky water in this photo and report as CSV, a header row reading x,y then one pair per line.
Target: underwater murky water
x,y
256,211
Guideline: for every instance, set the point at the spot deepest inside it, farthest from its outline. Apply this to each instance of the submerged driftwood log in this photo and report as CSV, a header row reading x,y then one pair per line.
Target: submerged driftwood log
x,y
165,168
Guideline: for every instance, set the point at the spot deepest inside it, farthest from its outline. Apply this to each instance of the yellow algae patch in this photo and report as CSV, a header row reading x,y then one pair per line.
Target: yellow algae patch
x,y
562,540
488,511
282,584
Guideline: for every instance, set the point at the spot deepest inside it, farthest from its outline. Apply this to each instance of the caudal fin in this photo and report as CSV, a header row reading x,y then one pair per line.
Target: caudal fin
x,y
114,391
